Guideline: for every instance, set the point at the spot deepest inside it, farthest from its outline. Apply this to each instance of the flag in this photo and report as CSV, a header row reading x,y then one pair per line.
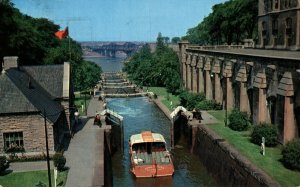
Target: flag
x,y
62,34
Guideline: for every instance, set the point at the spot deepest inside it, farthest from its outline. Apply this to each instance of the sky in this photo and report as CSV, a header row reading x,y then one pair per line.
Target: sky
x,y
120,20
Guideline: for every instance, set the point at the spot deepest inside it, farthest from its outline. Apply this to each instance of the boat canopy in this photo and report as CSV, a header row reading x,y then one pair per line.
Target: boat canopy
x,y
146,136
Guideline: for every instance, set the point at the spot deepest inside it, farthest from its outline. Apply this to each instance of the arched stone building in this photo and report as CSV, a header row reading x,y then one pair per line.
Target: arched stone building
x,y
263,83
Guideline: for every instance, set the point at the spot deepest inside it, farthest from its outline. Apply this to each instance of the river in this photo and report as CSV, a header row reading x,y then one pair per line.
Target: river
x,y
141,114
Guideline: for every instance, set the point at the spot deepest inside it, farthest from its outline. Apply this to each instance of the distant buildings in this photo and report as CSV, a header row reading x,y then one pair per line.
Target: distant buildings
x,y
279,24
27,93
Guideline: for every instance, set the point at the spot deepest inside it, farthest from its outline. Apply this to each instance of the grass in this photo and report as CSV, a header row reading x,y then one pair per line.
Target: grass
x,y
80,101
270,163
167,98
31,178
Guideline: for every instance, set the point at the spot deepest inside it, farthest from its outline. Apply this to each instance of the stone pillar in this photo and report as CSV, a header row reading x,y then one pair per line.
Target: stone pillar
x,y
200,66
194,74
286,89
183,63
189,72
218,93
244,100
227,73
261,83
208,85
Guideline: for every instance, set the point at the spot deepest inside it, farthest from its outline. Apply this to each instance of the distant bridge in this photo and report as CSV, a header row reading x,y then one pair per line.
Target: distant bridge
x,y
110,49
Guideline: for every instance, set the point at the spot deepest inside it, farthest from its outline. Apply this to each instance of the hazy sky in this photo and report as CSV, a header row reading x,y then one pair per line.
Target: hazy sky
x,y
120,20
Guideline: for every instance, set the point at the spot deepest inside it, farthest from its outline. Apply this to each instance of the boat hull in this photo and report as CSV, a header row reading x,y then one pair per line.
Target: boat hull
x,y
155,170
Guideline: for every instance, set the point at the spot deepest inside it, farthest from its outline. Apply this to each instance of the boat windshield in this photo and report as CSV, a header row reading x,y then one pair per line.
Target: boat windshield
x,y
149,147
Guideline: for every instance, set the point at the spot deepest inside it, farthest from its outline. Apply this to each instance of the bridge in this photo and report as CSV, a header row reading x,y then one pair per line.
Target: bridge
x,y
110,49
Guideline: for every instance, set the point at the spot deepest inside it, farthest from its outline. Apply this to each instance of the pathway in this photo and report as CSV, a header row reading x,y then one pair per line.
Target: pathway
x,y
85,156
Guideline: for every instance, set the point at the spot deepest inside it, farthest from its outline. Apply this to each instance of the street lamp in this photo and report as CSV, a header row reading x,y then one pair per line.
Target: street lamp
x,y
47,149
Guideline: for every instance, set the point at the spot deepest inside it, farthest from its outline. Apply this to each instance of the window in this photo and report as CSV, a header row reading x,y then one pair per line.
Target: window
x,y
264,28
13,140
274,26
276,4
288,23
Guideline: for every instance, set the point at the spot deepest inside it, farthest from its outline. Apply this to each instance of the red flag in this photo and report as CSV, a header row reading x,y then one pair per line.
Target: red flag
x,y
62,34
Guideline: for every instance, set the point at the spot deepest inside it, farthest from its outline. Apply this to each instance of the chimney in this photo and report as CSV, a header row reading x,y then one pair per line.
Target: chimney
x,y
9,62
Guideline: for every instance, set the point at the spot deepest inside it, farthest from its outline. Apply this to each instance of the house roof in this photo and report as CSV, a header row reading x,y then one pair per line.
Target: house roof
x,y
53,82
23,94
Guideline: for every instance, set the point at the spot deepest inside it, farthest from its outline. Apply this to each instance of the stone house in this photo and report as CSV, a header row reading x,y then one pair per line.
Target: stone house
x,y
279,24
30,97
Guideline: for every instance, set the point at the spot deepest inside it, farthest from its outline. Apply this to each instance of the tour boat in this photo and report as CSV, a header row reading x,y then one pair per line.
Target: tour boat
x,y
149,155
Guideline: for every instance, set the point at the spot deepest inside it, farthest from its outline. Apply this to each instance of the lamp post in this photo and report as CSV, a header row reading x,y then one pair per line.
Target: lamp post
x,y
226,102
47,149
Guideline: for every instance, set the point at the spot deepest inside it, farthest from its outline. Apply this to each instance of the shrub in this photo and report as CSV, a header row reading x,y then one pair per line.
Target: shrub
x,y
40,184
190,100
268,131
208,105
238,121
291,155
4,164
59,161
27,158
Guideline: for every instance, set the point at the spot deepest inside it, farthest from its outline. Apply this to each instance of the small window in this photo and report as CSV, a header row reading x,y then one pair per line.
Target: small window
x,y
13,140
264,28
274,26
276,4
288,23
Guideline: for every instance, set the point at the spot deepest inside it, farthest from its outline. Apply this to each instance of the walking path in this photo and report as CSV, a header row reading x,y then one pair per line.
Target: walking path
x,y
29,166
85,156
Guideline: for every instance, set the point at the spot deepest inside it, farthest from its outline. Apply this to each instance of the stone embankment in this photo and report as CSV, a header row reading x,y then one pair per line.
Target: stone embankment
x,y
228,166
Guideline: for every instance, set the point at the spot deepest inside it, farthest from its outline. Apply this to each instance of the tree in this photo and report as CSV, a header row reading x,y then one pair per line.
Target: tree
x,y
229,22
160,68
175,40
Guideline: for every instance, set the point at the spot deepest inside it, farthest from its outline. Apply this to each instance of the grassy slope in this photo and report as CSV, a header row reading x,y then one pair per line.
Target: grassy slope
x,y
162,92
269,163
31,178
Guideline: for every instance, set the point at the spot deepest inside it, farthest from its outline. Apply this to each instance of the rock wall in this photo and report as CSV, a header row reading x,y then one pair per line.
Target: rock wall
x,y
225,163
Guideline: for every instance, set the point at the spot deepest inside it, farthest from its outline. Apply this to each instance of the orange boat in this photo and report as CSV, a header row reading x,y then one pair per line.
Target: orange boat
x,y
149,155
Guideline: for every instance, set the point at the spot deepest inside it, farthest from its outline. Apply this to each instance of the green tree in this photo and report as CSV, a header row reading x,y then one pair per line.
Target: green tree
x,y
175,40
160,68
229,22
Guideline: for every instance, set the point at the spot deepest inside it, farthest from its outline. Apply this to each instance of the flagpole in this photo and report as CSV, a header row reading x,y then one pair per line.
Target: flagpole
x,y
69,48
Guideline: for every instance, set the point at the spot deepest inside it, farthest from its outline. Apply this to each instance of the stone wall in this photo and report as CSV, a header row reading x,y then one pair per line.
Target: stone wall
x,y
33,130
225,163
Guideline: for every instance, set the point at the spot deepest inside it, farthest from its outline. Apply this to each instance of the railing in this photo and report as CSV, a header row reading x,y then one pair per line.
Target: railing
x,y
217,47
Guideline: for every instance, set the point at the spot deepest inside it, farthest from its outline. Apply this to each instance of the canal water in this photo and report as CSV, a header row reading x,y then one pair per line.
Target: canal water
x,y
141,114
108,64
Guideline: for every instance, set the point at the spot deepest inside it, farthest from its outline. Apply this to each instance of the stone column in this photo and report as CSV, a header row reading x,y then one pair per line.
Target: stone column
x,y
217,81
227,73
286,89
244,100
261,83
208,85
194,74
189,72
200,66
183,63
